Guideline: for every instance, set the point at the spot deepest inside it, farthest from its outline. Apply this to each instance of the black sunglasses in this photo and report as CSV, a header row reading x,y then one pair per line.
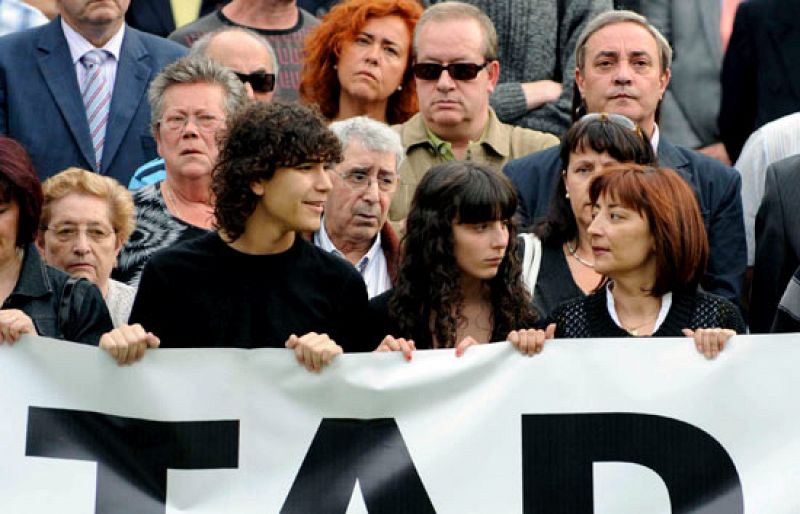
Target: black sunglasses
x,y
456,70
259,80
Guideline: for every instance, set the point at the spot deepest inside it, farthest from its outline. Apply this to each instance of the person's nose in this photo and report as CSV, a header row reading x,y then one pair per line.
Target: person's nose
x,y
445,82
623,73
81,243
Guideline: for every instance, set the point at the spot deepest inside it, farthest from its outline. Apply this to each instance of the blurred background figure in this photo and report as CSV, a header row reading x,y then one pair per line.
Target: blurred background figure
x,y
162,17
86,218
358,61
281,22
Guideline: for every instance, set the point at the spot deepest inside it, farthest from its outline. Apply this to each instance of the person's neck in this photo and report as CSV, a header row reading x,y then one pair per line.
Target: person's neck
x,y
189,200
263,14
632,298
473,290
459,136
103,287
97,35
350,108
353,250
191,189
262,236
583,243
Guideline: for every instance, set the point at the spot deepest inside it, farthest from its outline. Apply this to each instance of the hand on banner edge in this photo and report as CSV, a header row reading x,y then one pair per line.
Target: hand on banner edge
x,y
313,351
392,344
127,343
531,341
710,341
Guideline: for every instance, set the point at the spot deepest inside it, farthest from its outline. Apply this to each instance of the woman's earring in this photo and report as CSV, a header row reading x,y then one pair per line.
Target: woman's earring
x,y
566,195
400,87
335,67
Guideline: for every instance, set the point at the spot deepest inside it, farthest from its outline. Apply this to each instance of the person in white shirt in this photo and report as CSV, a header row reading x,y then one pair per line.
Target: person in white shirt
x,y
354,224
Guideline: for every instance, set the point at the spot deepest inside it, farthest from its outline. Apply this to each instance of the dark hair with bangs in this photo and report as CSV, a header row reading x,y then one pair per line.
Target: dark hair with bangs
x,y
19,182
261,138
670,207
601,135
426,302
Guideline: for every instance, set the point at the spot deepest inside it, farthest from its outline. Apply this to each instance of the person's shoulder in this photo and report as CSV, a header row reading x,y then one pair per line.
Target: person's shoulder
x,y
187,34
12,43
162,48
706,167
411,131
525,140
547,159
787,168
324,263
309,20
189,255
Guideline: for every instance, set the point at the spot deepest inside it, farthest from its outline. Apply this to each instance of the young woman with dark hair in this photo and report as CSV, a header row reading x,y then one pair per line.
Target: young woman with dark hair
x,y
649,242
459,281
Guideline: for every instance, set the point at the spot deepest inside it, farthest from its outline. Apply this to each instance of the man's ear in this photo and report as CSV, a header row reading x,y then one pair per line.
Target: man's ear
x,y
493,71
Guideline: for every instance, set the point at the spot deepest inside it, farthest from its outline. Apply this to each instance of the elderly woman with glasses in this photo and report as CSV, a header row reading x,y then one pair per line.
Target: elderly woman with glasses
x,y
37,299
86,218
190,101
567,263
358,61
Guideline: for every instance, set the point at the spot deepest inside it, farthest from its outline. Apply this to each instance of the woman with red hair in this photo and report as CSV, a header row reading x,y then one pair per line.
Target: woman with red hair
x,y
650,244
358,61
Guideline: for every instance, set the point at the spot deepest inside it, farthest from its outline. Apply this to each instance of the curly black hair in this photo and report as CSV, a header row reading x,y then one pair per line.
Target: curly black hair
x,y
261,138
426,302
601,135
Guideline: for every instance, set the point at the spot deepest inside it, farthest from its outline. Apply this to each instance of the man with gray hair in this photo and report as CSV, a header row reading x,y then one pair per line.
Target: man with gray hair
x,y
456,69
354,224
248,55
623,67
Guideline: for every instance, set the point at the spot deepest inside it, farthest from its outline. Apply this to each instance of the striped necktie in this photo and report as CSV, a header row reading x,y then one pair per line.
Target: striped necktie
x,y
96,98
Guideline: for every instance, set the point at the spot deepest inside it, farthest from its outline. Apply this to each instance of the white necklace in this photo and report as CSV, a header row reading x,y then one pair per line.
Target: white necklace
x,y
574,253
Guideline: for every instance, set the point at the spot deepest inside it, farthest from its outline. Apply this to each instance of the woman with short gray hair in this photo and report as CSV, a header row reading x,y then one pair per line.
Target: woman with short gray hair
x,y
190,101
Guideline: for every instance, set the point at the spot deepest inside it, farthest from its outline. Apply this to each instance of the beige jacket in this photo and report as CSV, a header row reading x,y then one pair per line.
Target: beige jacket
x,y
502,143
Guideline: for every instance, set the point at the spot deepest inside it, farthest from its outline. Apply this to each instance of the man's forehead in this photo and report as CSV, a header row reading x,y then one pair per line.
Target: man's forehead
x,y
357,156
630,38
463,38
230,49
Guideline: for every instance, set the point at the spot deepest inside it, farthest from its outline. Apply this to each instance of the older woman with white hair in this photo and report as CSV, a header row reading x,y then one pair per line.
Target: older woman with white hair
x,y
190,101
86,218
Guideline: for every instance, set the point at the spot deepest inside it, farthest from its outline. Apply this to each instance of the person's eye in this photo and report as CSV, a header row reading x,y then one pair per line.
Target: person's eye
x,y
363,39
66,232
583,169
604,64
616,216
358,177
175,119
206,118
391,51
387,180
480,227
97,233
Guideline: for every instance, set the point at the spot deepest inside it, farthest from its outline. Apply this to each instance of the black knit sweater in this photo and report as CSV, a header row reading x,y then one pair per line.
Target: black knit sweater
x,y
589,317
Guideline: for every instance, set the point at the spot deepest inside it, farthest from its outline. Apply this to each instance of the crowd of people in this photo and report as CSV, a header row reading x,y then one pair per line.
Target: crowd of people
x,y
397,175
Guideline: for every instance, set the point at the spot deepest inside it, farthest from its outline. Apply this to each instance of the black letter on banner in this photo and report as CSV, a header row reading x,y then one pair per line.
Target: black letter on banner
x,y
372,451
558,451
132,455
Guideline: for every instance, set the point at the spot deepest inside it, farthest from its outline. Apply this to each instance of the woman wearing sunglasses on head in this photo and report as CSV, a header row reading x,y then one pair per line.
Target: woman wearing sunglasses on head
x,y
358,61
649,242
459,281
567,263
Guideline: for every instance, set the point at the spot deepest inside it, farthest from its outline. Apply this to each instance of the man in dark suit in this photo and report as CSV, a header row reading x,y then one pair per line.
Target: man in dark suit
x,y
760,75
52,91
623,67
777,241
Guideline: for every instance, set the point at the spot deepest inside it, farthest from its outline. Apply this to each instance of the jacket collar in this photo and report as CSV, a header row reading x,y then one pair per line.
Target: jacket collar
x,y
495,138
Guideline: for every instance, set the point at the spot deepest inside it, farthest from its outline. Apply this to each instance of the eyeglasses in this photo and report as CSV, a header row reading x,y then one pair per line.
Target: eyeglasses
x,y
259,80
618,119
359,180
203,121
456,70
68,233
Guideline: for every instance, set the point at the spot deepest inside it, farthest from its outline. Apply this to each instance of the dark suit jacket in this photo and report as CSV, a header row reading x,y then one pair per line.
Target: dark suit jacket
x,y
155,16
41,105
777,241
760,72
718,189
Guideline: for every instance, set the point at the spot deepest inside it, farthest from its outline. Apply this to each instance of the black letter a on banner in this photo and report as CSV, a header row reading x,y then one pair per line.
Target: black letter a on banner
x,y
372,451
558,451
132,455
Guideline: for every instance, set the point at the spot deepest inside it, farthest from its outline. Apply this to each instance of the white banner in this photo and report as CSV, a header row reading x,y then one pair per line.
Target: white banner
x,y
603,426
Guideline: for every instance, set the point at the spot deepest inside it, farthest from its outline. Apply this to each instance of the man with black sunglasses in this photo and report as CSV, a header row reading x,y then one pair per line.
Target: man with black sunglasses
x,y
456,69
251,58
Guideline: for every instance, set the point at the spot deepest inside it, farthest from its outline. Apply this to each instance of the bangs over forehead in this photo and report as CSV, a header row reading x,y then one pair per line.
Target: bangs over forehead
x,y
483,198
624,186
620,143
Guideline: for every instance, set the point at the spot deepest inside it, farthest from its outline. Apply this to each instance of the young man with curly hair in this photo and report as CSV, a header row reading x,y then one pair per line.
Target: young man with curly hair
x,y
255,282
